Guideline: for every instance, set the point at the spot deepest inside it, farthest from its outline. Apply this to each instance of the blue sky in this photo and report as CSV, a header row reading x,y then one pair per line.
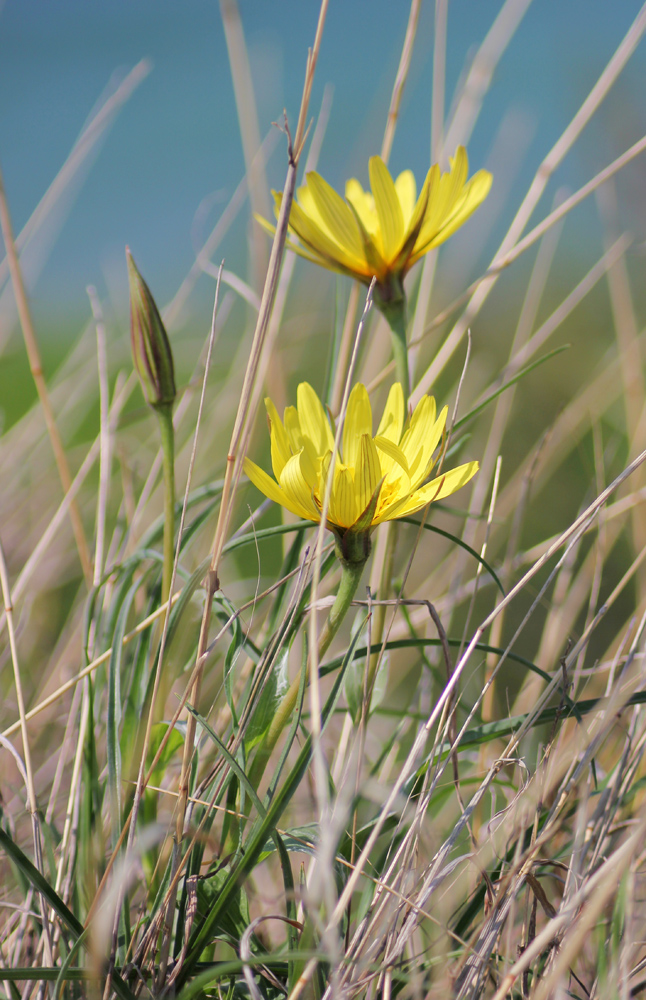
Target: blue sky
x,y
177,142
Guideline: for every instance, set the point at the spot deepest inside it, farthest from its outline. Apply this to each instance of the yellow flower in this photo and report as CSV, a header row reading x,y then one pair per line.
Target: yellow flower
x,y
374,479
383,233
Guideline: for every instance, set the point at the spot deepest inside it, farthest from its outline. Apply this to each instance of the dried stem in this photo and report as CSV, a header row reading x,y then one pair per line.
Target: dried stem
x,y
400,80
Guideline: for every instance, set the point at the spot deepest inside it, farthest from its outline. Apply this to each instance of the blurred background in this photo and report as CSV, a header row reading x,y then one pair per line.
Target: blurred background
x,y
172,157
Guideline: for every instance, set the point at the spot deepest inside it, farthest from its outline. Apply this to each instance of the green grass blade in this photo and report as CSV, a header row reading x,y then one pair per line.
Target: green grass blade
x,y
262,828
463,545
512,381
332,665
40,883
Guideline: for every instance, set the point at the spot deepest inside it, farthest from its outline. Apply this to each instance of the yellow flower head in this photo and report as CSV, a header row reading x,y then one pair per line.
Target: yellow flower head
x,y
374,479
384,232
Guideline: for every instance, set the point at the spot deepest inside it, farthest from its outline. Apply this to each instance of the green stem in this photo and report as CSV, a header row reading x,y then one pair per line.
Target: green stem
x,y
400,354
391,302
167,431
351,574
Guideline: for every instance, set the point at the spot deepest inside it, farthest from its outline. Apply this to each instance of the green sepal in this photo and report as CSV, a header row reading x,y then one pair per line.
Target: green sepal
x,y
354,544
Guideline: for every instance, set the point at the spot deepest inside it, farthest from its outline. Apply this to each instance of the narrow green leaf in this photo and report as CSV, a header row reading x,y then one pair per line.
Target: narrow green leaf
x,y
59,907
231,761
463,545
254,536
261,829
269,698
289,564
113,748
34,973
338,661
40,883
293,729
512,381
223,970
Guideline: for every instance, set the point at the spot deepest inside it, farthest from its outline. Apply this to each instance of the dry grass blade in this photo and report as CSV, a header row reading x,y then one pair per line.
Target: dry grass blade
x,y
41,385
536,189
32,804
400,79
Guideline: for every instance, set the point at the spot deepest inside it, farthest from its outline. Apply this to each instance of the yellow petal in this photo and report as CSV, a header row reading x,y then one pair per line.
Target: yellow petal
x,y
309,466
358,421
459,167
403,261
266,485
328,247
394,492
363,204
462,213
280,450
443,204
307,203
430,441
392,421
367,472
319,494
343,507
413,443
312,255
392,456
452,204
313,421
436,212
295,487
293,429
438,489
472,196
313,457
406,192
373,251
337,216
389,210
426,197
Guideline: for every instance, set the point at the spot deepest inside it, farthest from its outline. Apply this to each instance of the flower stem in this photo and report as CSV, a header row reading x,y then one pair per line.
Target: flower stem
x,y
391,302
351,574
400,354
167,431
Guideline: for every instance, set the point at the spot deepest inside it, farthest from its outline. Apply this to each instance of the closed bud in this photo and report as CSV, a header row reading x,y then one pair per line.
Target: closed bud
x,y
151,351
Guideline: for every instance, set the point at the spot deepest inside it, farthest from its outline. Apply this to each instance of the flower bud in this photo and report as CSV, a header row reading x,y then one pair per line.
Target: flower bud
x,y
151,351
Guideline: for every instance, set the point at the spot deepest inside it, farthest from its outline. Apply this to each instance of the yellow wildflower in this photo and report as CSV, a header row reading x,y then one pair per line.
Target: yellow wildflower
x,y
374,479
382,233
